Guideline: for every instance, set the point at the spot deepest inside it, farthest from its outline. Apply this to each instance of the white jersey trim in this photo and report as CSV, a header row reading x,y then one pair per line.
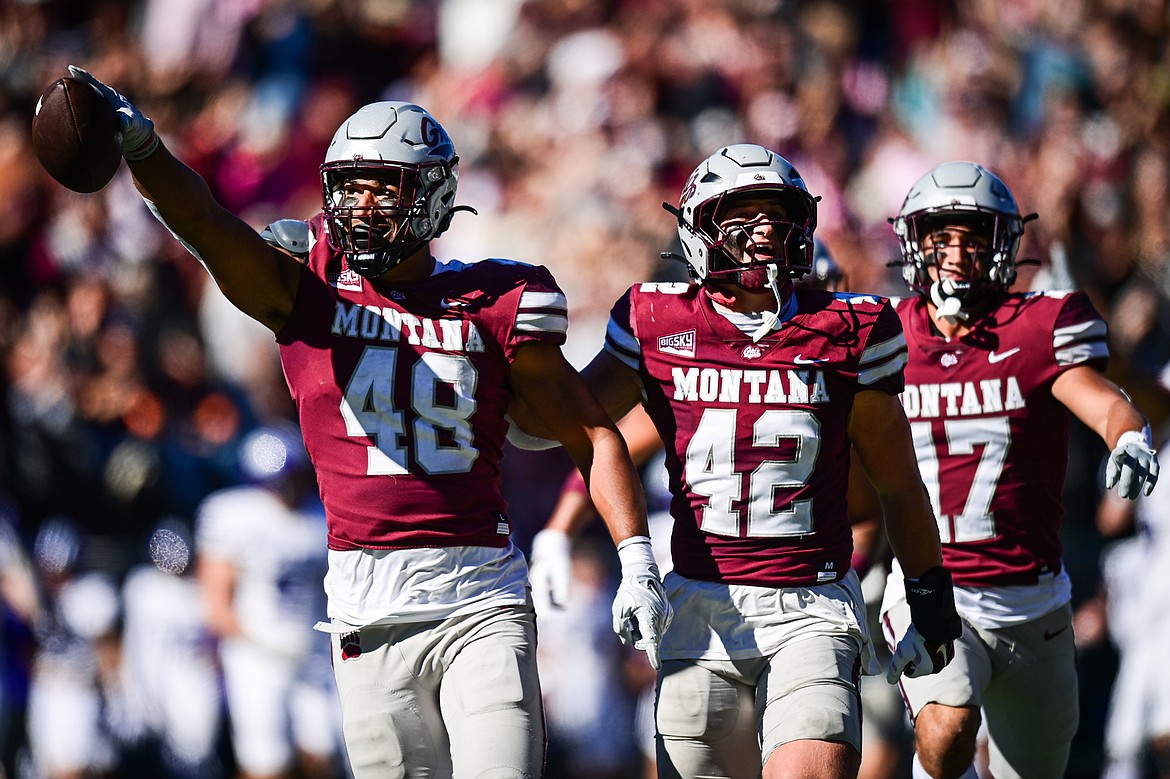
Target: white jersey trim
x,y
623,344
881,360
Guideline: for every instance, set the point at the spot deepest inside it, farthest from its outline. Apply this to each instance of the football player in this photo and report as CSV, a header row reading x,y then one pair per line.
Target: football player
x,y
402,370
992,380
759,389
261,558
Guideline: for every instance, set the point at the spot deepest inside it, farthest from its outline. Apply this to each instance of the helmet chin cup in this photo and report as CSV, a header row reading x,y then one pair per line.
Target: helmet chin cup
x,y
372,264
948,297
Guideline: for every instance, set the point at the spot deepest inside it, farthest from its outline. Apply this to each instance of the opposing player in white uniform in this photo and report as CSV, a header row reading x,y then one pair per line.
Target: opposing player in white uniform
x,y
1137,727
403,370
261,561
759,390
169,670
992,381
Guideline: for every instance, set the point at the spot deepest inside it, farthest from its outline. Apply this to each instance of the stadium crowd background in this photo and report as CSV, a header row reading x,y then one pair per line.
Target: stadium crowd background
x,y
129,381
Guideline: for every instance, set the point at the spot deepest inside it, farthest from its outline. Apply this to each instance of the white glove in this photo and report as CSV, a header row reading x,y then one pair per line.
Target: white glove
x,y
1133,464
139,139
641,612
550,569
914,658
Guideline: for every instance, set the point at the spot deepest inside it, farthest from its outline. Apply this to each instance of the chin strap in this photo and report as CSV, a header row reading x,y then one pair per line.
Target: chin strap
x,y
771,318
945,296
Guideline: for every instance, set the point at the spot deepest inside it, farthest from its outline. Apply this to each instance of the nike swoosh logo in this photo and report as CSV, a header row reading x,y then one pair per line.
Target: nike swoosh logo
x,y
993,358
445,303
1048,636
800,359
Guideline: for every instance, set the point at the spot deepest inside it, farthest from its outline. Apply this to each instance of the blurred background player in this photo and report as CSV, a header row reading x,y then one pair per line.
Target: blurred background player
x,y
261,560
992,383
1137,727
169,714
75,669
402,370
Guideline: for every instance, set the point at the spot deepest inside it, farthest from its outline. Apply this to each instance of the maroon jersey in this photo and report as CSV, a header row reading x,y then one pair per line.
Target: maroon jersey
x,y
402,389
992,441
757,452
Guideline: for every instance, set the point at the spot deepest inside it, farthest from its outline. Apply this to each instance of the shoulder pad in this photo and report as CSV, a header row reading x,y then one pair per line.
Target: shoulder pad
x,y
291,236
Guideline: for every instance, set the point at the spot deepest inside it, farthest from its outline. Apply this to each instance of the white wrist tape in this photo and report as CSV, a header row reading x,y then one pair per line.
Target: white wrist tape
x,y
1143,437
636,556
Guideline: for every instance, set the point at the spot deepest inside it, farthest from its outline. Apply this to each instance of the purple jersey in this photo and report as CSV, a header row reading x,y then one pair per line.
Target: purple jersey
x,y
402,389
992,441
757,451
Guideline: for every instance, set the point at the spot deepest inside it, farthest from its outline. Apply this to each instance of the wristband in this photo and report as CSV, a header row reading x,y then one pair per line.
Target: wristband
x,y
1143,437
931,598
144,149
636,556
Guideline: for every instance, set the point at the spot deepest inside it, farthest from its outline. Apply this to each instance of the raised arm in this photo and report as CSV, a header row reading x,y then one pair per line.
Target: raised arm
x,y
255,277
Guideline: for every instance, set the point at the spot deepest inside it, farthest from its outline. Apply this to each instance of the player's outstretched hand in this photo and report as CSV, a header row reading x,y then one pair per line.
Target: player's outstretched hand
x,y
550,569
641,612
1132,466
139,139
929,642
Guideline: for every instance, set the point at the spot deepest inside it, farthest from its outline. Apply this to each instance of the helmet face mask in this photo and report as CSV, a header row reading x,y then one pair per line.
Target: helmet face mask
x,y
733,175
406,159
967,196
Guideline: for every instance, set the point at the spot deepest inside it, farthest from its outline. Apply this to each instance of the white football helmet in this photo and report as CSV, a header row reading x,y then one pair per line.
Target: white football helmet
x,y
403,146
967,194
710,252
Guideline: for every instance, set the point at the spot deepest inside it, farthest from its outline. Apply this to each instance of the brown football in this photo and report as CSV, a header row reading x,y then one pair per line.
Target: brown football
x,y
76,135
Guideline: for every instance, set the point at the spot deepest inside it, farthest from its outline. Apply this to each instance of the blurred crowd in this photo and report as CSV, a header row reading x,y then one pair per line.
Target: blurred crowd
x,y
130,383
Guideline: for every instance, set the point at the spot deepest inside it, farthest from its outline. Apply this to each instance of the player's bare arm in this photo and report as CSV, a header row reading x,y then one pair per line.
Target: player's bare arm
x,y
256,278
559,403
559,407
612,384
574,509
1106,410
1098,403
217,585
881,438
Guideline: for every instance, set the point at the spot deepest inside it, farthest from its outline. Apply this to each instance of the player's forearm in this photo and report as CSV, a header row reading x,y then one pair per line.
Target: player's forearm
x,y
574,508
1122,418
180,194
615,488
912,533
